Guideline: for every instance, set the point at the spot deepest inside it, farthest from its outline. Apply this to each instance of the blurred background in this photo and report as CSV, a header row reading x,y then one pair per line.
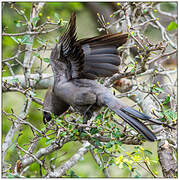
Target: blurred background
x,y
87,26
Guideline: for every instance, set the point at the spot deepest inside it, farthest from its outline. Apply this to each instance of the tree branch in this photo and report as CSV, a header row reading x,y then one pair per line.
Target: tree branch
x,y
60,171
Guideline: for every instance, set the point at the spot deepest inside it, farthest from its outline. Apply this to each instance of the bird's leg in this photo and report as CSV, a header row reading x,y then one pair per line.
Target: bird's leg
x,y
86,116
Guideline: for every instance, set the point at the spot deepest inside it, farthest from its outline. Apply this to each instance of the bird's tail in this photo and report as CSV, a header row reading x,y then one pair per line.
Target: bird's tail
x,y
129,115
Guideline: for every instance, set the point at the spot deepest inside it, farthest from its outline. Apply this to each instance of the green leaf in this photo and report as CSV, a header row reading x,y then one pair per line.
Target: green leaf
x,y
63,23
49,141
171,115
37,55
147,152
25,38
109,145
47,60
73,175
43,129
94,131
22,12
18,24
115,13
83,134
57,16
9,175
100,150
131,64
145,11
97,142
63,134
118,142
167,100
172,26
159,89
160,114
15,80
13,38
138,175
133,70
41,41
116,134
35,20
99,116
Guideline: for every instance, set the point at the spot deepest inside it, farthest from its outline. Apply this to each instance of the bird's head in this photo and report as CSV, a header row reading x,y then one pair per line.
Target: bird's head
x,y
46,117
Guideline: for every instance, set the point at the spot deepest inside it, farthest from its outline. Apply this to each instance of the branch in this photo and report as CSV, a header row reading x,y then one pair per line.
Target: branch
x,y
161,56
37,81
28,62
44,151
31,33
14,128
163,31
99,162
60,171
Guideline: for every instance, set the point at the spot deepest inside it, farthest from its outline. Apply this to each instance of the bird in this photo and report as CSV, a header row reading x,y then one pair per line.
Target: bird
x,y
76,64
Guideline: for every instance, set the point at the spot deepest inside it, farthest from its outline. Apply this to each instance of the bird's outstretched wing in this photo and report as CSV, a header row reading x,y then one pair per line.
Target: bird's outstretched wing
x,y
91,57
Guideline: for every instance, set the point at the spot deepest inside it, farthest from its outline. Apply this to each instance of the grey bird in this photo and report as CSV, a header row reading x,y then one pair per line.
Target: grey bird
x,y
76,64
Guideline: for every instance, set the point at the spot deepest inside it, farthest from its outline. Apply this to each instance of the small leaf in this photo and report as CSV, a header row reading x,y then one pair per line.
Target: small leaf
x,y
133,70
57,16
147,152
47,60
18,24
43,129
99,116
100,150
93,131
83,134
172,26
35,20
171,115
25,38
15,80
109,145
167,100
37,55
32,93
63,23
97,142
63,134
9,175
49,141
159,89
138,175
30,43
15,39
22,12
41,41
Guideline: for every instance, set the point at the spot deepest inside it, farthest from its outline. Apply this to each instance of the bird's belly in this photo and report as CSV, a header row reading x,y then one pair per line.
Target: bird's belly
x,y
74,95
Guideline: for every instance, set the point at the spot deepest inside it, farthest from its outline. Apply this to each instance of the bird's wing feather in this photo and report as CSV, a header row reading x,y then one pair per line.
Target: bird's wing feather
x,y
81,56
71,51
101,51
